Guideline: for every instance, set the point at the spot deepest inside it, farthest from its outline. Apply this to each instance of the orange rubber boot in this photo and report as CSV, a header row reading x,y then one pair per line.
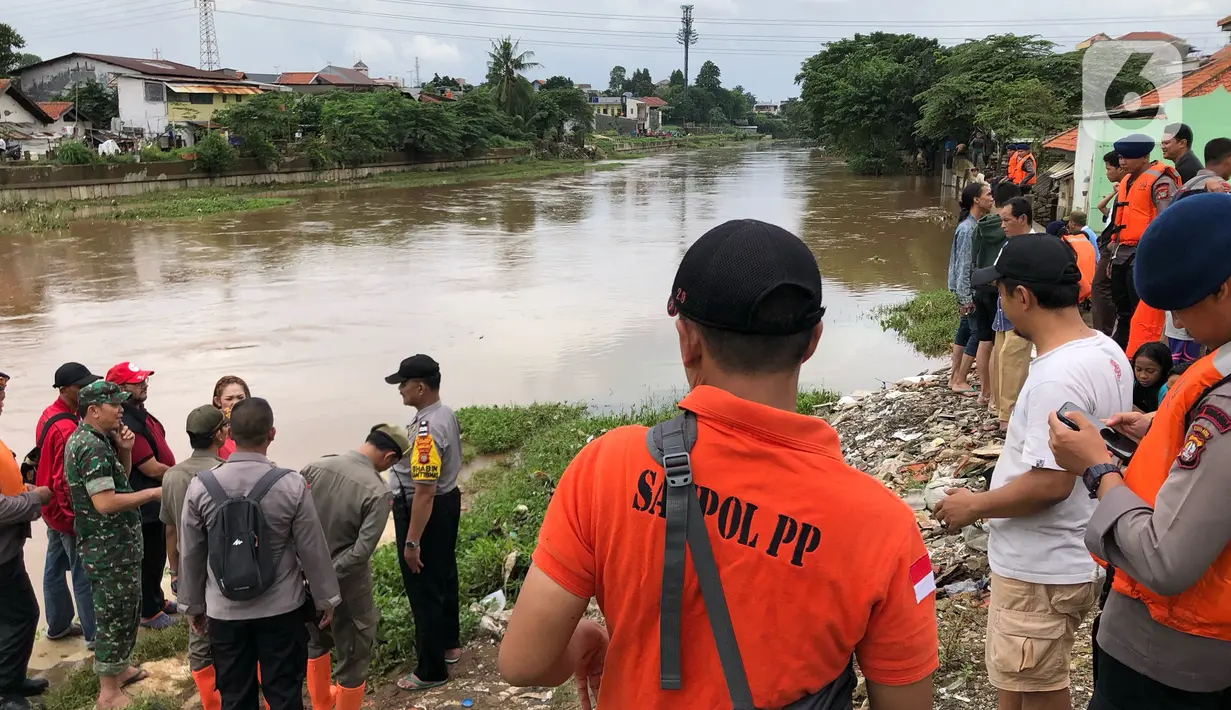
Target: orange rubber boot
x,y
320,688
207,687
350,698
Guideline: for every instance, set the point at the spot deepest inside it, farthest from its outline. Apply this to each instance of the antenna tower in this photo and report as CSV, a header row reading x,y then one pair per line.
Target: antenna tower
x,y
209,35
686,36
418,79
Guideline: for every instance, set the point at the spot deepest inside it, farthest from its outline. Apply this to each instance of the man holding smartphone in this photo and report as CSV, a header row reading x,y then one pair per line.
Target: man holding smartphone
x,y
1043,579
1164,640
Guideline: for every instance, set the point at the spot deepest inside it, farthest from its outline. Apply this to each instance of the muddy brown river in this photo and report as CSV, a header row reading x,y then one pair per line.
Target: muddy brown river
x,y
544,290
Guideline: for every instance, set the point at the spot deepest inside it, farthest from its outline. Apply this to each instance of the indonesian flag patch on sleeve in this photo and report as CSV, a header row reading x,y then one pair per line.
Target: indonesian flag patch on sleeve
x,y
922,578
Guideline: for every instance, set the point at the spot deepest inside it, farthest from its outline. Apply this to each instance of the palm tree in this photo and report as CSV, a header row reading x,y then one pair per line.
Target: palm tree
x,y
505,65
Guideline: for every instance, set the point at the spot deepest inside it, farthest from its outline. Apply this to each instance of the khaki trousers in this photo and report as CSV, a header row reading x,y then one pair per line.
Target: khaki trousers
x,y
1010,365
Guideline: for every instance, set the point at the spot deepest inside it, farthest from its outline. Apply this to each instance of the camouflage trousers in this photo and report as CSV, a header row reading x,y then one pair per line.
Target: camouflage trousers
x,y
200,656
117,609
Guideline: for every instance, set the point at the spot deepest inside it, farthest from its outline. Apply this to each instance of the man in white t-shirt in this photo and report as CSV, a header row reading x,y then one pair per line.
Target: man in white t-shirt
x,y
1044,581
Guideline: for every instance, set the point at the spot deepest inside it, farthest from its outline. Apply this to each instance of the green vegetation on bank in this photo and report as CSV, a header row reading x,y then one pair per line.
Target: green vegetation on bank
x,y
508,504
79,689
199,202
927,321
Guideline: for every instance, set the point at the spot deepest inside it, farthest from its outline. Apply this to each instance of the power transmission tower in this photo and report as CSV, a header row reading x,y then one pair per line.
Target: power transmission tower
x,y
686,36
418,79
209,36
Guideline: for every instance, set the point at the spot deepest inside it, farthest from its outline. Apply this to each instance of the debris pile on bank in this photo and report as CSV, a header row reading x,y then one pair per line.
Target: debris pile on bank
x,y
919,439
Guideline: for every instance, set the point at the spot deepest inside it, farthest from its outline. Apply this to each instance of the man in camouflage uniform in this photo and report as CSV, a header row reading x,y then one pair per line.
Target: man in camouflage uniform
x,y
97,459
352,501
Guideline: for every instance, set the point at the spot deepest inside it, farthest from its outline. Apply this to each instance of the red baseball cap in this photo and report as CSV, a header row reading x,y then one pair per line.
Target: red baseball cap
x,y
127,373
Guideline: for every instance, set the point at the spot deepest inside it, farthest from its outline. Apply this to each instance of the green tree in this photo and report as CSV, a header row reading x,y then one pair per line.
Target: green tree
x,y
352,129
10,43
506,63
261,123
617,81
642,84
25,59
709,78
859,96
93,101
559,82
1023,107
214,154
556,110
677,78
740,103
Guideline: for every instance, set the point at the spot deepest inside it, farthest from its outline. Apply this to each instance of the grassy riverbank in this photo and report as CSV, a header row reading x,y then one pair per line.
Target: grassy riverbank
x,y
79,688
200,202
509,501
927,321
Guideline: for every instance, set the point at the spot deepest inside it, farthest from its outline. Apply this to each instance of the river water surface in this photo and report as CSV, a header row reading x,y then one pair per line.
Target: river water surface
x,y
547,290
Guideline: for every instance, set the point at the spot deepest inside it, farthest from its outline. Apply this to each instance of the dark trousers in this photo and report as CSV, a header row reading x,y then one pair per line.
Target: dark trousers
x,y
1102,306
18,622
1124,296
433,591
153,563
1121,688
278,643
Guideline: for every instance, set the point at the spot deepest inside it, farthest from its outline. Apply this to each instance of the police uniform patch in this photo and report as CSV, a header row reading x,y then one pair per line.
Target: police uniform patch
x,y
1215,416
1194,446
424,456
1162,190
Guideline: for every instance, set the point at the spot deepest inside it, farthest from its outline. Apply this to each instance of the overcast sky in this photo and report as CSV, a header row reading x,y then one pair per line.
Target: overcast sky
x,y
757,43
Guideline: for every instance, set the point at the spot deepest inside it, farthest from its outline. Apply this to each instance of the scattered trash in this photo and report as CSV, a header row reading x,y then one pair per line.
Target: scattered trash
x,y
966,586
509,563
467,703
903,436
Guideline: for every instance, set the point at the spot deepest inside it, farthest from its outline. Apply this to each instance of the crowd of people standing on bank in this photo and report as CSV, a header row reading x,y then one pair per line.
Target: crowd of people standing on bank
x,y
1138,375
269,591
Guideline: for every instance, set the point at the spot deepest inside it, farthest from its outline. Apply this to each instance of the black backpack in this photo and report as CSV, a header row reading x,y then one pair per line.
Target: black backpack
x,y
669,443
240,558
29,466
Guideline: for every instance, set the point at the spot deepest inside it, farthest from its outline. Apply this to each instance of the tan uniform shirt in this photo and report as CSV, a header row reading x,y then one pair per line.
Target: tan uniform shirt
x,y
1168,548
175,484
298,544
352,502
436,428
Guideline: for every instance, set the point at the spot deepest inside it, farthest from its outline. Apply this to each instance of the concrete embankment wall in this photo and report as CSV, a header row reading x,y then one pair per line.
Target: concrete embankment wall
x,y
52,183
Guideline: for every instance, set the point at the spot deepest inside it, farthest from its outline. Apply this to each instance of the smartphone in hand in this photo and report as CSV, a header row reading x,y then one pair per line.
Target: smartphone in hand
x,y
1118,444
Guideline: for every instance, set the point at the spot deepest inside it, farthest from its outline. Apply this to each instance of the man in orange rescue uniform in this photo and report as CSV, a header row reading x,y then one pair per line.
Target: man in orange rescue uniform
x,y
1147,189
815,561
1164,640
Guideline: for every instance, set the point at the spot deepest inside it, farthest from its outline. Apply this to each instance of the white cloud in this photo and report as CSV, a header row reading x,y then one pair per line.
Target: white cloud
x,y
432,50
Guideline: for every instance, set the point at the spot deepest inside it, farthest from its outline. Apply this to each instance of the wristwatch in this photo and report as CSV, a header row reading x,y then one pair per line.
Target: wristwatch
x,y
1094,475
412,545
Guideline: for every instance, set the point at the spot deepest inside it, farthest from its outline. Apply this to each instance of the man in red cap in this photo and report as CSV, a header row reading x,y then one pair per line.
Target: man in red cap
x,y
151,457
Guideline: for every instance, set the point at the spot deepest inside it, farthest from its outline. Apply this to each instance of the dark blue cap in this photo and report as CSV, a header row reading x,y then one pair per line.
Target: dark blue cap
x,y
1138,145
1182,257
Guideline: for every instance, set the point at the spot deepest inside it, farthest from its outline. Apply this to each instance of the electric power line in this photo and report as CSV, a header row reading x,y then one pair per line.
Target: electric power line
x,y
123,24
209,36
55,23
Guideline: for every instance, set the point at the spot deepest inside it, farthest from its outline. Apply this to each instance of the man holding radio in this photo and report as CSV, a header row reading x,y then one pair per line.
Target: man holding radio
x,y
1164,640
1043,579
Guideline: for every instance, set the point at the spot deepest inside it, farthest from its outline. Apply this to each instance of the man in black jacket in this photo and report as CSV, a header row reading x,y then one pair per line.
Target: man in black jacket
x,y
1177,145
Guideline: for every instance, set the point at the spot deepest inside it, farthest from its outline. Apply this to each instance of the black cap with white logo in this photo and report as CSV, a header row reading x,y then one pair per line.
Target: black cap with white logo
x,y
731,269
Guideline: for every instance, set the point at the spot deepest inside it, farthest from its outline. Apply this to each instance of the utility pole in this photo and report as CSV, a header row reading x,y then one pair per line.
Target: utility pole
x,y
418,79
686,36
209,35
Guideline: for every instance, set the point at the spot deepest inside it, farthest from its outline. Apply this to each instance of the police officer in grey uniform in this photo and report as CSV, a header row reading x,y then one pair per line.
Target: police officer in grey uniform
x,y
352,501
427,506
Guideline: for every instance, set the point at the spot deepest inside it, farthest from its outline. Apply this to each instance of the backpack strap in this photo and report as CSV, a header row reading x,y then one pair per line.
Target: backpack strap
x,y
51,421
215,490
271,477
670,443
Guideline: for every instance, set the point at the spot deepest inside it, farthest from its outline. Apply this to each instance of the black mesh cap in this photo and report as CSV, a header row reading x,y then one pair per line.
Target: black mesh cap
x,y
728,272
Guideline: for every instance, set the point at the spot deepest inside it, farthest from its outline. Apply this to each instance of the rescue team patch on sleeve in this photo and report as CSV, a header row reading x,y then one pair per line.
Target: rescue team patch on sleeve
x,y
922,578
1162,190
425,459
1194,447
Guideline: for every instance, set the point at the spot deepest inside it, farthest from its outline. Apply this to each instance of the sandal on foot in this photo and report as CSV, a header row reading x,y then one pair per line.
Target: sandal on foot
x,y
412,682
137,677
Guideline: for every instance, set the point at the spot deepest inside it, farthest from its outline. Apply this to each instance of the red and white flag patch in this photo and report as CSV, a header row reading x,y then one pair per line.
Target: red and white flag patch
x,y
922,578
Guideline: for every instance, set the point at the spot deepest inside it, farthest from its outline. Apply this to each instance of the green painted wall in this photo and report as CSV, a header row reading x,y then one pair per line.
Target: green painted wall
x,y
1209,116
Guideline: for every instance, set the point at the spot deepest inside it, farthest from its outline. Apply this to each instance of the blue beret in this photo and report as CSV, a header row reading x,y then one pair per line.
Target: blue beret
x,y
1182,257
1137,145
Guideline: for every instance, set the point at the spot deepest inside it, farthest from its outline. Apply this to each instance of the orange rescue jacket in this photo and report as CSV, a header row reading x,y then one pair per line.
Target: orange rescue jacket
x,y
1014,172
1204,609
1021,169
1085,261
1135,203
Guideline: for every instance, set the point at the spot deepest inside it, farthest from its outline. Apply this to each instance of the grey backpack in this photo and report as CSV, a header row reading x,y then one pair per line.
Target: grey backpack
x,y
670,443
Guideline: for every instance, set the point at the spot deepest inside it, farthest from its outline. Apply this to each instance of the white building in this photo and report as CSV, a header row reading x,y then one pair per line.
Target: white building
x,y
24,122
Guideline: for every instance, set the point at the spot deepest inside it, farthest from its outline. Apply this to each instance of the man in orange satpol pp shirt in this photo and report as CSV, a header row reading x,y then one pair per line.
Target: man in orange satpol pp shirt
x,y
818,561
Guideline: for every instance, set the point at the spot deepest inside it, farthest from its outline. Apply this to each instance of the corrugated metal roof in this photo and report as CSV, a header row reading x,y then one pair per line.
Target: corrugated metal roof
x,y
213,89
297,78
1064,141
1060,170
